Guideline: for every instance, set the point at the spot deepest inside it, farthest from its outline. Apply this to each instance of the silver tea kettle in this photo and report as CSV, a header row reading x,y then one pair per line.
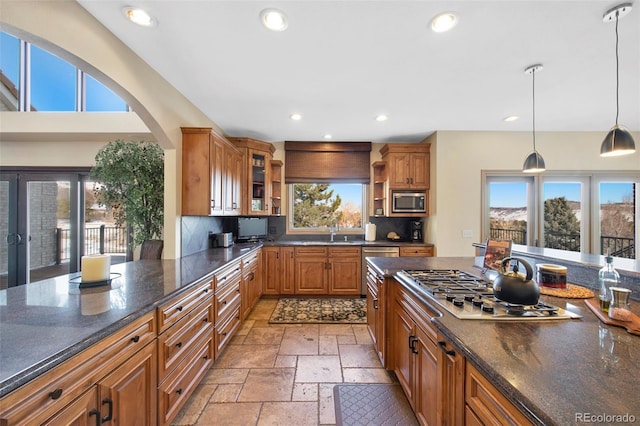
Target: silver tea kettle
x,y
514,287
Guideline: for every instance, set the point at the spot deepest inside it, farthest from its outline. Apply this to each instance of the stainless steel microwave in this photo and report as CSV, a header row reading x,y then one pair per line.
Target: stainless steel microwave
x,y
408,202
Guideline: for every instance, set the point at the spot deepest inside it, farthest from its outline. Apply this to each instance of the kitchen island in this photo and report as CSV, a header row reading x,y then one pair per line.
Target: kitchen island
x,y
567,371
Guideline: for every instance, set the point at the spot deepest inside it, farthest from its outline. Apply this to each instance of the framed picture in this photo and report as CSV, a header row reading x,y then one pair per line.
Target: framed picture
x,y
379,212
495,252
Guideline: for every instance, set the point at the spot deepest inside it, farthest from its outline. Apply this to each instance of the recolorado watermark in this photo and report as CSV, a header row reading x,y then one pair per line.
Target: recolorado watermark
x,y
604,418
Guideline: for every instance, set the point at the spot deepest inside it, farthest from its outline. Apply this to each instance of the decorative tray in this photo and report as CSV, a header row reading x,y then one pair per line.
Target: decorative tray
x,y
86,284
632,326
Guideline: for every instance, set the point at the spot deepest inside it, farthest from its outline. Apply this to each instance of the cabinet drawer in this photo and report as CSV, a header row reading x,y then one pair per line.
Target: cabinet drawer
x,y
342,251
228,274
421,251
418,311
177,341
180,383
171,312
41,398
250,260
311,251
226,327
487,403
225,299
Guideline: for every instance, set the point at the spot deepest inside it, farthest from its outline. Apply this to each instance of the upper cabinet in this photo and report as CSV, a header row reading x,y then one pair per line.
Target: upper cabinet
x,y
211,174
407,165
256,175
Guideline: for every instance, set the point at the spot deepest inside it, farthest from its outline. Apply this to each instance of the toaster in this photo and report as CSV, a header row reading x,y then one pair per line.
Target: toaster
x,y
224,239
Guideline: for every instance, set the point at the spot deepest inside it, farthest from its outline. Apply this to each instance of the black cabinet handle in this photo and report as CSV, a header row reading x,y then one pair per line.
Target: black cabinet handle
x,y
375,303
179,344
205,319
206,290
179,308
109,416
135,339
412,344
443,345
96,413
55,394
179,391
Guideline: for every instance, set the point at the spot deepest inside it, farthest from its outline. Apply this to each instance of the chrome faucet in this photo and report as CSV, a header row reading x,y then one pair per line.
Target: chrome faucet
x,y
333,229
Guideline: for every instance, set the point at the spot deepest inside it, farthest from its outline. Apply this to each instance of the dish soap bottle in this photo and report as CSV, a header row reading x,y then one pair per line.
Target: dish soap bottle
x,y
607,277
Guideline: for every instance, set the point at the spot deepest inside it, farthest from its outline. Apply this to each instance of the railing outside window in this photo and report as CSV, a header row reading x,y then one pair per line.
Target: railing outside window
x,y
99,240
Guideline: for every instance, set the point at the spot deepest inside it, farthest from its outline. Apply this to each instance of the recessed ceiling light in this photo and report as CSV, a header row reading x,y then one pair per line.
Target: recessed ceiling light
x,y
295,116
510,118
444,22
138,16
274,19
381,117
328,136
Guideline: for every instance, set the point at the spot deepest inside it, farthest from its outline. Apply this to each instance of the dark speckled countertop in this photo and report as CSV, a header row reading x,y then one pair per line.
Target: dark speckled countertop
x,y
44,323
553,371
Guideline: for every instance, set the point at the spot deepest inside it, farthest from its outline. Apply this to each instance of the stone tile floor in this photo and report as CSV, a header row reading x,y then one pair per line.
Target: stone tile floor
x,y
282,374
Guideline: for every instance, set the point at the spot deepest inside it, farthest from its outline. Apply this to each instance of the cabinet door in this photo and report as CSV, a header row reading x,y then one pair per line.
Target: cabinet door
x,y
81,412
344,275
403,342
426,375
216,178
451,366
232,170
259,182
287,270
271,274
419,170
310,275
128,394
399,171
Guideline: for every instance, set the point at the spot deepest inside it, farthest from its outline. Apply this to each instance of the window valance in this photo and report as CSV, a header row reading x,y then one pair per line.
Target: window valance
x,y
326,162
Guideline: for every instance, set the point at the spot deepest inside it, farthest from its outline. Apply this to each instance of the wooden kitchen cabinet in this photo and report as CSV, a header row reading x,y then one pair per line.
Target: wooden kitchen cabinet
x,y
379,181
451,376
321,270
257,183
407,165
416,251
211,173
278,270
251,284
485,405
103,370
226,304
377,312
415,357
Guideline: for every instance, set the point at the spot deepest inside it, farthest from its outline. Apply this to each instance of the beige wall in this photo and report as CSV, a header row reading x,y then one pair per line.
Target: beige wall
x,y
458,158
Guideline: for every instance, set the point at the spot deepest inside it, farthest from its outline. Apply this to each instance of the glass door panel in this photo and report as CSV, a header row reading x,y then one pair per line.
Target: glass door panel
x,y
49,228
562,215
617,219
8,229
258,182
508,211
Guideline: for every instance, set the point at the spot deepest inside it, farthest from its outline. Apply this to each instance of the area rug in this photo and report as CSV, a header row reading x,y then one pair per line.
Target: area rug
x,y
320,311
372,404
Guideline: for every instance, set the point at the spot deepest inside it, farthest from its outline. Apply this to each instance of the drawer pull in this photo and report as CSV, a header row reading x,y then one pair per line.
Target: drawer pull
x,y
135,339
96,413
224,333
205,319
56,394
179,344
443,345
206,290
224,302
110,415
179,391
179,308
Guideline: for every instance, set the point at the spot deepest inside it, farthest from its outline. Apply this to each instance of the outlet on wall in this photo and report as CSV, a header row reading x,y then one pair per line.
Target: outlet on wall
x,y
467,233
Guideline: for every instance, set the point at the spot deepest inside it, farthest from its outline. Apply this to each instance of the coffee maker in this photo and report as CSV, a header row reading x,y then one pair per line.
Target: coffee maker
x,y
416,231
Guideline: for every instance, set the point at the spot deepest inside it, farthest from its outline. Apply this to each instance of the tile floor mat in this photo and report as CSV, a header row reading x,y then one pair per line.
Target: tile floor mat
x,y
320,311
372,404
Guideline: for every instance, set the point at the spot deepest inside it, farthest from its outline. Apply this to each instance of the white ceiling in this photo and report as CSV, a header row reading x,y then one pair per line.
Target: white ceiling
x,y
340,63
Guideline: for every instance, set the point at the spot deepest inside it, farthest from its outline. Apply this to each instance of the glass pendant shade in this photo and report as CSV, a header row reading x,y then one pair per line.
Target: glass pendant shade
x,y
534,163
617,142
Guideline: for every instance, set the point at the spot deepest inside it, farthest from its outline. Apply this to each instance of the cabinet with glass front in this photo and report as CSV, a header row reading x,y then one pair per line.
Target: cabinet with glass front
x,y
258,155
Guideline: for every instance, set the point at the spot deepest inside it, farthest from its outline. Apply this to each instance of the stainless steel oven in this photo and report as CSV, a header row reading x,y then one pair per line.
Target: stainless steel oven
x,y
409,202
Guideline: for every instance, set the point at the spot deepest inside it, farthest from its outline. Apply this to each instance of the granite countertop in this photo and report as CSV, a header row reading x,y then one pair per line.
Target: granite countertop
x,y
44,323
341,242
553,371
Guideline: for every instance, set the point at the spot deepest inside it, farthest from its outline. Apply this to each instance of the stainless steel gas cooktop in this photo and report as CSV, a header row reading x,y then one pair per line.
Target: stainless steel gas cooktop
x,y
469,297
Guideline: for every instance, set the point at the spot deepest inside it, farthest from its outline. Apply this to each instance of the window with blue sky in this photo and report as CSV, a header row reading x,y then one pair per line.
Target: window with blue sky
x,y
53,83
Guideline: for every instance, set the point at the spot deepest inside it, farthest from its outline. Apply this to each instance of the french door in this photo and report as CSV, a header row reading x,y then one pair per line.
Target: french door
x,y
39,223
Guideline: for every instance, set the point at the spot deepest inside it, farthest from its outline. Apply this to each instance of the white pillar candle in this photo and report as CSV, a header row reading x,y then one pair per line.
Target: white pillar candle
x,y
95,268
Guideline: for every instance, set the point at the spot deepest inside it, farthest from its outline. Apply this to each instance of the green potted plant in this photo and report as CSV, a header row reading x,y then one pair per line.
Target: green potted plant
x,y
130,182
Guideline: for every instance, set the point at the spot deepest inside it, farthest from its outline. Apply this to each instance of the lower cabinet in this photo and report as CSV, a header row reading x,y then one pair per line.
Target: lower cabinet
x,y
377,313
251,284
321,270
416,251
485,404
278,270
226,304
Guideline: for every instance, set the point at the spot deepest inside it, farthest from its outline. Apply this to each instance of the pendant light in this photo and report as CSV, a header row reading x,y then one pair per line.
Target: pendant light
x,y
618,141
534,162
